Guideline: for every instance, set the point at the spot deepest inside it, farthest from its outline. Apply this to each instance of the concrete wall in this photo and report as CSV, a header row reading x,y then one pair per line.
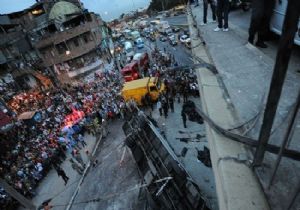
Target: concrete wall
x,y
51,55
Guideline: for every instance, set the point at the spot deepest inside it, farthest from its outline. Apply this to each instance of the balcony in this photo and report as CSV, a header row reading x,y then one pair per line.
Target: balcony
x,y
6,38
58,37
85,69
74,53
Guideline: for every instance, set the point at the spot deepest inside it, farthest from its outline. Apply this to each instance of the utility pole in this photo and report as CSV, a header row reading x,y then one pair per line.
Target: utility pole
x,y
16,195
162,5
286,43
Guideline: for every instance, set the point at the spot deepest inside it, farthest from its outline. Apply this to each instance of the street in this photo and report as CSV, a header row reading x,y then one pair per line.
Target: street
x,y
112,178
111,175
181,53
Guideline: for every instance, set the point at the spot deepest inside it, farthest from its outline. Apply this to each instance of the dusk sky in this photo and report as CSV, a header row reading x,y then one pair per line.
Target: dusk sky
x,y
108,9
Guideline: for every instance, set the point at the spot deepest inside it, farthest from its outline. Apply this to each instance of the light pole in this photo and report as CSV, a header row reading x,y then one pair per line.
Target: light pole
x,y
162,5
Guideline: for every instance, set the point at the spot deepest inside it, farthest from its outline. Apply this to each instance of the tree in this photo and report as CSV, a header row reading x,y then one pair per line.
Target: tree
x,y
122,16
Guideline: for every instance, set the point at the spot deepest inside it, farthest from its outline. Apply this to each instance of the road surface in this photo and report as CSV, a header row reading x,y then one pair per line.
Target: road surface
x,y
109,180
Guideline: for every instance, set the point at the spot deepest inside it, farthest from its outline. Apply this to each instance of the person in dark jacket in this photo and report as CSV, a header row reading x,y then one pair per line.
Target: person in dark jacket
x,y
61,173
262,11
171,103
183,115
165,107
213,10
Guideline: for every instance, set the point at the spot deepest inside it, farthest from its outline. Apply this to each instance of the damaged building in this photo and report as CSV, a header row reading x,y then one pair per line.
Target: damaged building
x,y
71,40
60,38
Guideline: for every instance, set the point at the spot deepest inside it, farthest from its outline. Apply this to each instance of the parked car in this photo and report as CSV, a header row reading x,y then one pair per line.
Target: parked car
x,y
152,38
162,38
171,36
175,30
139,43
186,32
277,20
185,38
173,42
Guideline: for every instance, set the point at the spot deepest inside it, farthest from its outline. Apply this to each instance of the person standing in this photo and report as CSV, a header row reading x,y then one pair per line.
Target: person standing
x,y
165,107
262,11
76,154
159,107
81,140
213,10
171,103
185,93
183,118
149,100
222,13
61,173
77,167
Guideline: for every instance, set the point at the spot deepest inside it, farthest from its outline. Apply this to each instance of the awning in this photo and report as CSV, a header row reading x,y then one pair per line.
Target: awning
x,y
26,115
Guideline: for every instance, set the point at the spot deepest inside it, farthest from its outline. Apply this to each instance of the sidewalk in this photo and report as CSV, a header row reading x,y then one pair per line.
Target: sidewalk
x,y
52,186
246,73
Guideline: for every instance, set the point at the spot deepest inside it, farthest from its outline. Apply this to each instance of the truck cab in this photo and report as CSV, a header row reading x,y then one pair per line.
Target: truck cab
x,y
137,89
131,71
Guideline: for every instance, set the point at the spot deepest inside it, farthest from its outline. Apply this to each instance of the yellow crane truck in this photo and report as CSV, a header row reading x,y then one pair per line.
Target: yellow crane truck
x,y
138,89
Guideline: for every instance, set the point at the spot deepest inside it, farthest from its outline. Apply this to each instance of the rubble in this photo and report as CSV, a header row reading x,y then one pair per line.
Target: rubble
x,y
204,156
156,160
189,108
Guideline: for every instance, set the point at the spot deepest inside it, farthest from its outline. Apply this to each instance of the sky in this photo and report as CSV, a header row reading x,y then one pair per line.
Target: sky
x,y
108,9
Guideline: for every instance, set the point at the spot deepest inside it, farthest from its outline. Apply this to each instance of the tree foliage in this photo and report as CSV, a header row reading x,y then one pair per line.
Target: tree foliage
x,y
122,15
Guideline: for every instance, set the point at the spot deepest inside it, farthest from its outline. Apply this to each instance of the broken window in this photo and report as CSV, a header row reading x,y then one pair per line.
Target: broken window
x,y
61,48
76,43
85,38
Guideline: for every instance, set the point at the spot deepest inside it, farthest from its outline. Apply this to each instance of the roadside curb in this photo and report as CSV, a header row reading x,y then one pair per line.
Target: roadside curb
x,y
99,140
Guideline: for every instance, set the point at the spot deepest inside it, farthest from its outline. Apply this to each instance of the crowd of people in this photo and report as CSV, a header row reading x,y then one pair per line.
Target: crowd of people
x,y
66,114
178,83
34,146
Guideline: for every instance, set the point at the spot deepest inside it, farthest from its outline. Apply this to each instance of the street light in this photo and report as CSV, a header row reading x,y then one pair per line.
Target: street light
x,y
112,51
68,52
111,47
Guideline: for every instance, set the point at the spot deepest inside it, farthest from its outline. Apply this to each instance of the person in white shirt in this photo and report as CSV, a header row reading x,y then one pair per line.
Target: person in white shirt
x,y
159,107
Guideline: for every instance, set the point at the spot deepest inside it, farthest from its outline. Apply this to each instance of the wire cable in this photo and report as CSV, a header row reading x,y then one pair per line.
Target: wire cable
x,y
112,195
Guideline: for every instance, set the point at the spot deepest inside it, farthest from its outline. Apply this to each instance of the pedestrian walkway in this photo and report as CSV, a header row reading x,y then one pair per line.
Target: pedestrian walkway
x,y
53,187
245,70
246,73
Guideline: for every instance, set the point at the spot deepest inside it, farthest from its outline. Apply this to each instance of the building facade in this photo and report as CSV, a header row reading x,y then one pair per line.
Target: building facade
x,y
60,37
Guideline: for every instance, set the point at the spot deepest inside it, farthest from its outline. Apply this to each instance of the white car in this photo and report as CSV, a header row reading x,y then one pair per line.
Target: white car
x,y
185,38
171,37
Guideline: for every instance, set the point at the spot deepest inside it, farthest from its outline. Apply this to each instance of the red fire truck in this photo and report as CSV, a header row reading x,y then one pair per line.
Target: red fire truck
x,y
137,68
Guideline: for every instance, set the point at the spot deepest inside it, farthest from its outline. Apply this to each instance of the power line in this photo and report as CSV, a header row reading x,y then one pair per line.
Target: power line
x,y
112,195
